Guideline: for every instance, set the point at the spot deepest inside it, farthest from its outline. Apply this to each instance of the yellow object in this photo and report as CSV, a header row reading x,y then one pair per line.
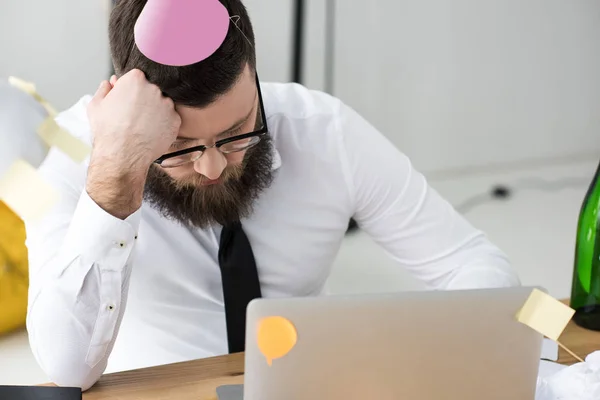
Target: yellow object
x,y
55,136
29,88
276,337
14,279
26,193
49,131
545,314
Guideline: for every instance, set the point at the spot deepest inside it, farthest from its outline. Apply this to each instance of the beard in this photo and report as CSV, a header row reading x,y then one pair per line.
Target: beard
x,y
230,200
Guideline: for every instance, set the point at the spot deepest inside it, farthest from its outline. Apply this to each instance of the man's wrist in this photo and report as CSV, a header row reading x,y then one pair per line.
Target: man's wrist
x,y
119,190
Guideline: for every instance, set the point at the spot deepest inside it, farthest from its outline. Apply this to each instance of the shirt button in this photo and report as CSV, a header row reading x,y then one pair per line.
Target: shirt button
x,y
122,244
136,236
110,307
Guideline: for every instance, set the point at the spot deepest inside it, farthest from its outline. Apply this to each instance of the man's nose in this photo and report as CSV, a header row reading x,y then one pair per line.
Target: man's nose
x,y
211,164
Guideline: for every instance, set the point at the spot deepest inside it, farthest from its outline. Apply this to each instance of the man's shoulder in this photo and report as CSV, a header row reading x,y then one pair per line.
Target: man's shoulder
x,y
302,120
75,120
298,102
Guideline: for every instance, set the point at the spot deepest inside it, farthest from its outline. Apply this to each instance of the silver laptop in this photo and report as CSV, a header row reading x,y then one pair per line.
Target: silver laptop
x,y
451,345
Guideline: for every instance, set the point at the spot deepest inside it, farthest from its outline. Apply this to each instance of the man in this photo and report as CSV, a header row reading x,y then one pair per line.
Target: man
x,y
145,257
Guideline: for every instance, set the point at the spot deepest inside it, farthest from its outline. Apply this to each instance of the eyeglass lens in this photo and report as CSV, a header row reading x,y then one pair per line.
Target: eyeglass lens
x,y
231,147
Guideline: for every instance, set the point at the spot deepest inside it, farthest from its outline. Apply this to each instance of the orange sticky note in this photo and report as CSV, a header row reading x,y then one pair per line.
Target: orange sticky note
x,y
276,337
545,314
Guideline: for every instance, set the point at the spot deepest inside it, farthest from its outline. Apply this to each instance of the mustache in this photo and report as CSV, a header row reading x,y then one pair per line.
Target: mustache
x,y
195,180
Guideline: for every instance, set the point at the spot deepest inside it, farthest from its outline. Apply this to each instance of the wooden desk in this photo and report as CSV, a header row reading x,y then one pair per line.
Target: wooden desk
x,y
198,380
580,341
191,380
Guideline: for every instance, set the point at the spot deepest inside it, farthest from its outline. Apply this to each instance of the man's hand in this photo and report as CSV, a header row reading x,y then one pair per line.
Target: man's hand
x,y
133,124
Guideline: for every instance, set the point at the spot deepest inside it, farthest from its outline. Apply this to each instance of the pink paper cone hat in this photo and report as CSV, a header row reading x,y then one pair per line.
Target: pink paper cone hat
x,y
181,32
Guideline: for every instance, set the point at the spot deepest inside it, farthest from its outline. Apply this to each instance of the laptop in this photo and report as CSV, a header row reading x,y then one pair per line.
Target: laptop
x,y
431,345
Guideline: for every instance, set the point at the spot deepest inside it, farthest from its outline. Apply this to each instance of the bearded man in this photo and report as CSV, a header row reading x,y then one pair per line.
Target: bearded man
x,y
207,188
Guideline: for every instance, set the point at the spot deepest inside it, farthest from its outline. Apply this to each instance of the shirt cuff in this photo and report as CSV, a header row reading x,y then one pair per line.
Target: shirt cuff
x,y
94,233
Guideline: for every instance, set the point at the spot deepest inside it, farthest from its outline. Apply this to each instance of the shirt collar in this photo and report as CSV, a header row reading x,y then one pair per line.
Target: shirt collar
x,y
276,163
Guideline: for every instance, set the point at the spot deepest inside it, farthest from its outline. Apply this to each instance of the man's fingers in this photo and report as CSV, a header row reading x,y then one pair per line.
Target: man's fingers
x,y
103,90
113,80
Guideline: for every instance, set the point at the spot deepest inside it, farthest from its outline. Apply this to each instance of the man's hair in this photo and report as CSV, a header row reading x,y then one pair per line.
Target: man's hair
x,y
194,85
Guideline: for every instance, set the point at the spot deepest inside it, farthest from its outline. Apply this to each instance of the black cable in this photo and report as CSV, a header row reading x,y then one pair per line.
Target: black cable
x,y
504,192
474,202
298,41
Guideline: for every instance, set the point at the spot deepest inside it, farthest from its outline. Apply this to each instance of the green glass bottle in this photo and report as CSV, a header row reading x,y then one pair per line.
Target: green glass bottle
x,y
585,292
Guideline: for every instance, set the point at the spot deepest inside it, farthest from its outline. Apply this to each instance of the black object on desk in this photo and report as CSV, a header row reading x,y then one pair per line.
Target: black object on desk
x,y
39,393
230,392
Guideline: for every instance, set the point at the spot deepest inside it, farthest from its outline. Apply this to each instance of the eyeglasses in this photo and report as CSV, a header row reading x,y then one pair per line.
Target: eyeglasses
x,y
225,146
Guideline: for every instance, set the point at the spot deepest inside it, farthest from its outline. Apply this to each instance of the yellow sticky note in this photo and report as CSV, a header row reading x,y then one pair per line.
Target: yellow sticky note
x,y
55,136
30,89
26,193
25,86
545,314
50,132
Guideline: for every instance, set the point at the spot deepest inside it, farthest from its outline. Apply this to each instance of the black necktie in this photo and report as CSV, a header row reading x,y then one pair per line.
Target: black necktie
x,y
240,282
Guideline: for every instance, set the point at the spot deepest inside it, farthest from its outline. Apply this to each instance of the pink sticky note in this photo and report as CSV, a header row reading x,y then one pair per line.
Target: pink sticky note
x,y
181,32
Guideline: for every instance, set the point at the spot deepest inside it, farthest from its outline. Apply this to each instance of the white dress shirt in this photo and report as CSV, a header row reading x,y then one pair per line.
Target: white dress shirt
x,y
109,294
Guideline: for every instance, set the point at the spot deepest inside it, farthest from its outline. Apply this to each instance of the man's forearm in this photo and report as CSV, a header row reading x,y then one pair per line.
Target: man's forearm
x,y
78,291
118,190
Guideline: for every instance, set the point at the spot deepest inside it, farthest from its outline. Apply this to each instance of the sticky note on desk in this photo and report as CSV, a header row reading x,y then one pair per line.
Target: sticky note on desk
x,y
25,191
545,314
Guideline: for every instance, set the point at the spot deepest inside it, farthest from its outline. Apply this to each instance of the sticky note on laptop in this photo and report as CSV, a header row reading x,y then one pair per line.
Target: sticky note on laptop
x,y
545,314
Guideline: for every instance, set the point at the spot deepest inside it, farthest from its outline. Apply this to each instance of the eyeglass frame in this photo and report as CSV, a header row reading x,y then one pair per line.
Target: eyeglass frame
x,y
261,132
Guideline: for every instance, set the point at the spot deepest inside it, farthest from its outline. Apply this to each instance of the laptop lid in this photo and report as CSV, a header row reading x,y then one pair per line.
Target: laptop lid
x,y
431,345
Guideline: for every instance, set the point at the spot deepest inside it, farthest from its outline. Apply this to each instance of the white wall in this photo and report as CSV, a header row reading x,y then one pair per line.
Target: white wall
x,y
452,83
62,45
473,82
272,22
314,46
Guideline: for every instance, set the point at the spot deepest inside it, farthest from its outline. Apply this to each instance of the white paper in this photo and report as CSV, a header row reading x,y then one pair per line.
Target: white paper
x,y
549,368
549,350
580,381
20,117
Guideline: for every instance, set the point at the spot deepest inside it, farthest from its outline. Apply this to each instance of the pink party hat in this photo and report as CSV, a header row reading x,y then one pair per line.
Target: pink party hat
x,y
181,32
